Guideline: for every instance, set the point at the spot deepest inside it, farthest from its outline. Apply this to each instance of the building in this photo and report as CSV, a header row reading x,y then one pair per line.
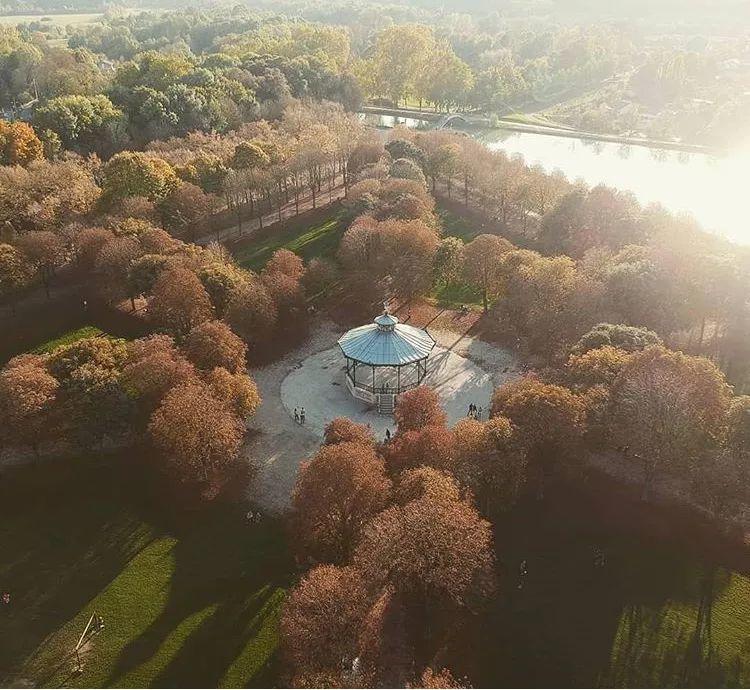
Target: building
x,y
385,358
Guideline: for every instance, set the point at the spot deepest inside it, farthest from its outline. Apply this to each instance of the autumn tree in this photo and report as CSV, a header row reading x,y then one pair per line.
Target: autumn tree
x,y
237,390
137,174
27,398
179,302
19,144
435,553
320,625
213,344
620,336
550,420
184,207
154,366
15,271
199,435
669,410
336,493
252,313
430,445
344,430
418,408
45,251
491,460
596,367
482,264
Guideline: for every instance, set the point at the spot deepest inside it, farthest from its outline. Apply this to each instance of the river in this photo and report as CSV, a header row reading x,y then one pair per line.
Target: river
x,y
710,188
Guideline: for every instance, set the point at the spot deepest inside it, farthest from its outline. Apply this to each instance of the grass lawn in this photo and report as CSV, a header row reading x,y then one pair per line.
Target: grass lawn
x,y
189,599
320,239
67,339
631,622
453,295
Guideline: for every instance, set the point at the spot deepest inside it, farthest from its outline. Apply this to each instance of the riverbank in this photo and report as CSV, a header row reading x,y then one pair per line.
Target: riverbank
x,y
478,122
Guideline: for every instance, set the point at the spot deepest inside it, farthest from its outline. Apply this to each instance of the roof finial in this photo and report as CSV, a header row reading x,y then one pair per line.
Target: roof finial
x,y
385,307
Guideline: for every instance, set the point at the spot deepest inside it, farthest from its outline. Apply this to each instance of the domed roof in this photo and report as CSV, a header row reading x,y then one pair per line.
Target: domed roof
x,y
386,342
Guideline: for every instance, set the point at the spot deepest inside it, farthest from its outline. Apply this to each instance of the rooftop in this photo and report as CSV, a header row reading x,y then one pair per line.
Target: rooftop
x,y
386,342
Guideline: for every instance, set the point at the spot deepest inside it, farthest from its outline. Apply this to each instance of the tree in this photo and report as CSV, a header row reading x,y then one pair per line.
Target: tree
x,y
88,243
344,430
179,302
430,445
491,460
213,344
199,435
435,553
620,336
19,145
27,397
738,427
320,624
154,366
418,408
84,123
137,174
252,313
597,367
336,493
426,482
184,207
482,264
15,271
407,169
236,390
439,679
550,420
112,268
45,251
285,262
221,280
669,410
449,260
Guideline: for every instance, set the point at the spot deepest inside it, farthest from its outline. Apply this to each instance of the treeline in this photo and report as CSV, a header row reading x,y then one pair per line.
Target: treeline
x,y
589,256
110,218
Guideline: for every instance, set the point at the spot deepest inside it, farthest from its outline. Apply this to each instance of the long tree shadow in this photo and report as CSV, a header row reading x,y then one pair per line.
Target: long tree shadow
x,y
594,607
63,541
226,565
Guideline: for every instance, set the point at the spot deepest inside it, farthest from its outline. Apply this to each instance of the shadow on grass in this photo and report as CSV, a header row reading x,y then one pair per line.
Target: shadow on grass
x,y
238,572
640,618
63,539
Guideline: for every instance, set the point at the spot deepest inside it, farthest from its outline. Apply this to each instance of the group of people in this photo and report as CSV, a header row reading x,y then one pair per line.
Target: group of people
x,y
475,412
299,416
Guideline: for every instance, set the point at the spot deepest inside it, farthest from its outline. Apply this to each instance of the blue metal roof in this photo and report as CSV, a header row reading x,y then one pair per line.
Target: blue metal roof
x,y
386,342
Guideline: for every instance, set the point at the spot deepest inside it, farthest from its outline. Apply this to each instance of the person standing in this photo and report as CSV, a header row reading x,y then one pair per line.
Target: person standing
x,y
302,416
296,415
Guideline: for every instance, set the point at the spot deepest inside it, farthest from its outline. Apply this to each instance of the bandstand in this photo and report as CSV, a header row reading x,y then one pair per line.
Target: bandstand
x,y
385,358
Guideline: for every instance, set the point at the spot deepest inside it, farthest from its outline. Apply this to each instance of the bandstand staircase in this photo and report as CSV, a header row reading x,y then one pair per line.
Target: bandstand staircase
x,y
386,403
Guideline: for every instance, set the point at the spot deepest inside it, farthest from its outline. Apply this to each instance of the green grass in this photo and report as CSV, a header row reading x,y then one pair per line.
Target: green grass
x,y
457,226
67,339
188,600
628,623
318,240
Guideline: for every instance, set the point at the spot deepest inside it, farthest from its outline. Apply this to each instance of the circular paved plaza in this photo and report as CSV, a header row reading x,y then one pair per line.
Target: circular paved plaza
x,y
318,384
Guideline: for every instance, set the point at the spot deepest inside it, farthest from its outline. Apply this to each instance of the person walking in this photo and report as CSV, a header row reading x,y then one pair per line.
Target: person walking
x,y
302,416
387,435
296,415
479,414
